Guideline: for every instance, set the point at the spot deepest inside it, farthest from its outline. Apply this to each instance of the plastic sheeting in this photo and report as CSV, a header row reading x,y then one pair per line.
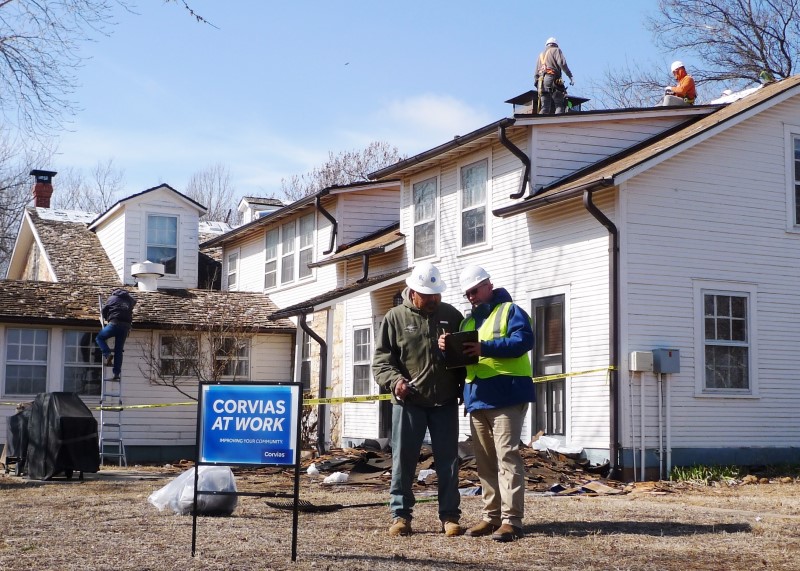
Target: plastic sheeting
x,y
62,437
178,495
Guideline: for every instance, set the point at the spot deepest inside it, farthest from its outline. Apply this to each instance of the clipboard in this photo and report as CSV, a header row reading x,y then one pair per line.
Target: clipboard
x,y
454,349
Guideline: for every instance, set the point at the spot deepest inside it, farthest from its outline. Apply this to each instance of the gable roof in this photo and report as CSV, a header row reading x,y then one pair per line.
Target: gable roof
x,y
378,242
48,303
118,205
621,167
259,223
71,251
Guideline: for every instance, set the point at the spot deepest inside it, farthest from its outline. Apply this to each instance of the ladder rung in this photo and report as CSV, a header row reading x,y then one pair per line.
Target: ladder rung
x,y
112,424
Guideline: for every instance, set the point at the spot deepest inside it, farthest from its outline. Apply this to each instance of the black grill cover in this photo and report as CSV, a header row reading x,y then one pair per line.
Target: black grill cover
x,y
17,445
62,437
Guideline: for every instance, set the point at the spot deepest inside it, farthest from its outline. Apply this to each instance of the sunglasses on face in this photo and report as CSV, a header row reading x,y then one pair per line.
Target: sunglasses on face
x,y
472,292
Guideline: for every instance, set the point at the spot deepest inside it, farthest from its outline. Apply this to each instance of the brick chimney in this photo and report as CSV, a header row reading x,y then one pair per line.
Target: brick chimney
x,y
42,188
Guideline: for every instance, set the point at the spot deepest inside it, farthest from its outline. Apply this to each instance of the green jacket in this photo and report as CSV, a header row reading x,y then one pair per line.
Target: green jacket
x,y
407,347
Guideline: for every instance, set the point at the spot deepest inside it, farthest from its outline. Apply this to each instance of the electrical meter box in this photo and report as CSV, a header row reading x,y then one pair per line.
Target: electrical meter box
x,y
641,361
666,361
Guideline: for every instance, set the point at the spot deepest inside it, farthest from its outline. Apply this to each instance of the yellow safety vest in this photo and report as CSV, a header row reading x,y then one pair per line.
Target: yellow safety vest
x,y
496,325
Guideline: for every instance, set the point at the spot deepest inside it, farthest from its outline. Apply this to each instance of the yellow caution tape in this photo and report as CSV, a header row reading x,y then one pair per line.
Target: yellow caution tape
x,y
332,400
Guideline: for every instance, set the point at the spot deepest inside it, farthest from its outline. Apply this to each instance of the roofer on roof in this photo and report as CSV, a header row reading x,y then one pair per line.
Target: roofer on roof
x,y
549,68
684,93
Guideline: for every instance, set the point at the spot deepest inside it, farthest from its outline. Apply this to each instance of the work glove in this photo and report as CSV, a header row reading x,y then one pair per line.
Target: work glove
x,y
571,81
668,90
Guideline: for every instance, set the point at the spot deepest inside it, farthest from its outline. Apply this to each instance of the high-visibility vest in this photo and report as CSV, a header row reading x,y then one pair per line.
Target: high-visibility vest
x,y
496,325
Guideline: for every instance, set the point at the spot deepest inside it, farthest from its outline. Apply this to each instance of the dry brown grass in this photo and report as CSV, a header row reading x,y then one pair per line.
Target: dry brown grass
x,y
105,522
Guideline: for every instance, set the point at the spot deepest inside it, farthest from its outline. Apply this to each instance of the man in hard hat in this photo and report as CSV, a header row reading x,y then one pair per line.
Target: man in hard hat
x,y
497,392
425,395
682,94
550,66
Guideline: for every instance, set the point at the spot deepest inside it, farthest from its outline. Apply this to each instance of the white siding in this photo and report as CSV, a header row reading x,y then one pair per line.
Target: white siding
x,y
724,221
112,238
563,148
361,213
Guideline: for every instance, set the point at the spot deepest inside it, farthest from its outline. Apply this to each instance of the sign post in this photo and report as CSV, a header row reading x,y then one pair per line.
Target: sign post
x,y
249,424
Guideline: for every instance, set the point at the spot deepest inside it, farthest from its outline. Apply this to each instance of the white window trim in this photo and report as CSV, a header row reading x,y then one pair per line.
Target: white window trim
x,y
48,364
371,385
235,358
183,379
486,245
749,290
436,215
65,364
236,271
790,132
296,279
178,255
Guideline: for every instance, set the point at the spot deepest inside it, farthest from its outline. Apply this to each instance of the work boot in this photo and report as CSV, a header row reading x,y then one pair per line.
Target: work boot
x,y
400,526
482,528
506,533
452,528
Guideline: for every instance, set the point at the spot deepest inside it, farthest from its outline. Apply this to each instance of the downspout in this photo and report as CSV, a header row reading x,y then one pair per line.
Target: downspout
x,y
323,375
364,269
526,177
613,333
334,231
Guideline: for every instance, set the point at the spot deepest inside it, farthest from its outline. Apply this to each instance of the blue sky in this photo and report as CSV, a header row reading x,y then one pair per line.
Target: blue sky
x,y
276,85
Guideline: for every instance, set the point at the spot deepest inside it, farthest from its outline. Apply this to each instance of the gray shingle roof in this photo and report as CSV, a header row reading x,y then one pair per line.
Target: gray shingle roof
x,y
74,251
77,304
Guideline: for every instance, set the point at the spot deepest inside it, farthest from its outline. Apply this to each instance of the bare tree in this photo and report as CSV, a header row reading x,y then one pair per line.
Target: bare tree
x,y
345,167
16,163
182,357
730,42
96,192
212,187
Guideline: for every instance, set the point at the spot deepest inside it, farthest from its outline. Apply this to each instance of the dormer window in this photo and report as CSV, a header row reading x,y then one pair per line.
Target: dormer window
x,y
162,241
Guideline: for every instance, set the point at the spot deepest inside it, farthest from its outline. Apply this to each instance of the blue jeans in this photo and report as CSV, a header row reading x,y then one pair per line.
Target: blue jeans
x,y
119,331
409,424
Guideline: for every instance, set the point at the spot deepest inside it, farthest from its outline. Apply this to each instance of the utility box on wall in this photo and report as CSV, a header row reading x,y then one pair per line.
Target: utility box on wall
x,y
666,361
641,361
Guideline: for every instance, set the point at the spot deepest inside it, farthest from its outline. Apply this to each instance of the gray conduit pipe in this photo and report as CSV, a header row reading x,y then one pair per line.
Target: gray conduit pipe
x,y
323,381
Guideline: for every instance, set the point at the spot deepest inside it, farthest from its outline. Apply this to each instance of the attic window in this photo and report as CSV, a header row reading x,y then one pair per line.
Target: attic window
x,y
162,241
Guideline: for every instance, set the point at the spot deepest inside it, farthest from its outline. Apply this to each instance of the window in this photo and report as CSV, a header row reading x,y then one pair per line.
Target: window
x,y
305,362
26,361
162,241
233,271
83,367
289,251
474,179
362,353
178,356
727,363
424,197
796,178
271,265
548,359
306,245
233,358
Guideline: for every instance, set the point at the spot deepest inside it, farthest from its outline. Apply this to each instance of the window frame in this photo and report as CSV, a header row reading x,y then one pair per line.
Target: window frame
x,y
487,203
162,357
363,361
290,252
434,219
235,271
26,362
148,244
545,391
233,358
94,365
792,138
744,290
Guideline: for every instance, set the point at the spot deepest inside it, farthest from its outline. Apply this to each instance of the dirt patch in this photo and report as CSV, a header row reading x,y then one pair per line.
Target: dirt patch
x,y
105,522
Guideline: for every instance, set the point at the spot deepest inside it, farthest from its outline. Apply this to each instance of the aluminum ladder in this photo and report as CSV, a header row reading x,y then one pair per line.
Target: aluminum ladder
x,y
111,444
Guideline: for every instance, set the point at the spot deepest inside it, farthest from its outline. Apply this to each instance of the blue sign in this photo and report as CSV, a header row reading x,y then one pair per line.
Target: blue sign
x,y
249,423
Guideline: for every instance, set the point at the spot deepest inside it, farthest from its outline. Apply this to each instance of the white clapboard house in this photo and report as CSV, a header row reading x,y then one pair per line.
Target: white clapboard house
x,y
64,261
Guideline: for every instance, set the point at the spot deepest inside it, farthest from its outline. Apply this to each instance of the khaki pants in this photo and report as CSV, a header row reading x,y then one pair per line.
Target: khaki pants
x,y
496,434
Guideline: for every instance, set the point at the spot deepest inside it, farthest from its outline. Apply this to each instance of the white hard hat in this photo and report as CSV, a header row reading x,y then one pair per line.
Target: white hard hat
x,y
675,65
425,278
551,40
471,276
